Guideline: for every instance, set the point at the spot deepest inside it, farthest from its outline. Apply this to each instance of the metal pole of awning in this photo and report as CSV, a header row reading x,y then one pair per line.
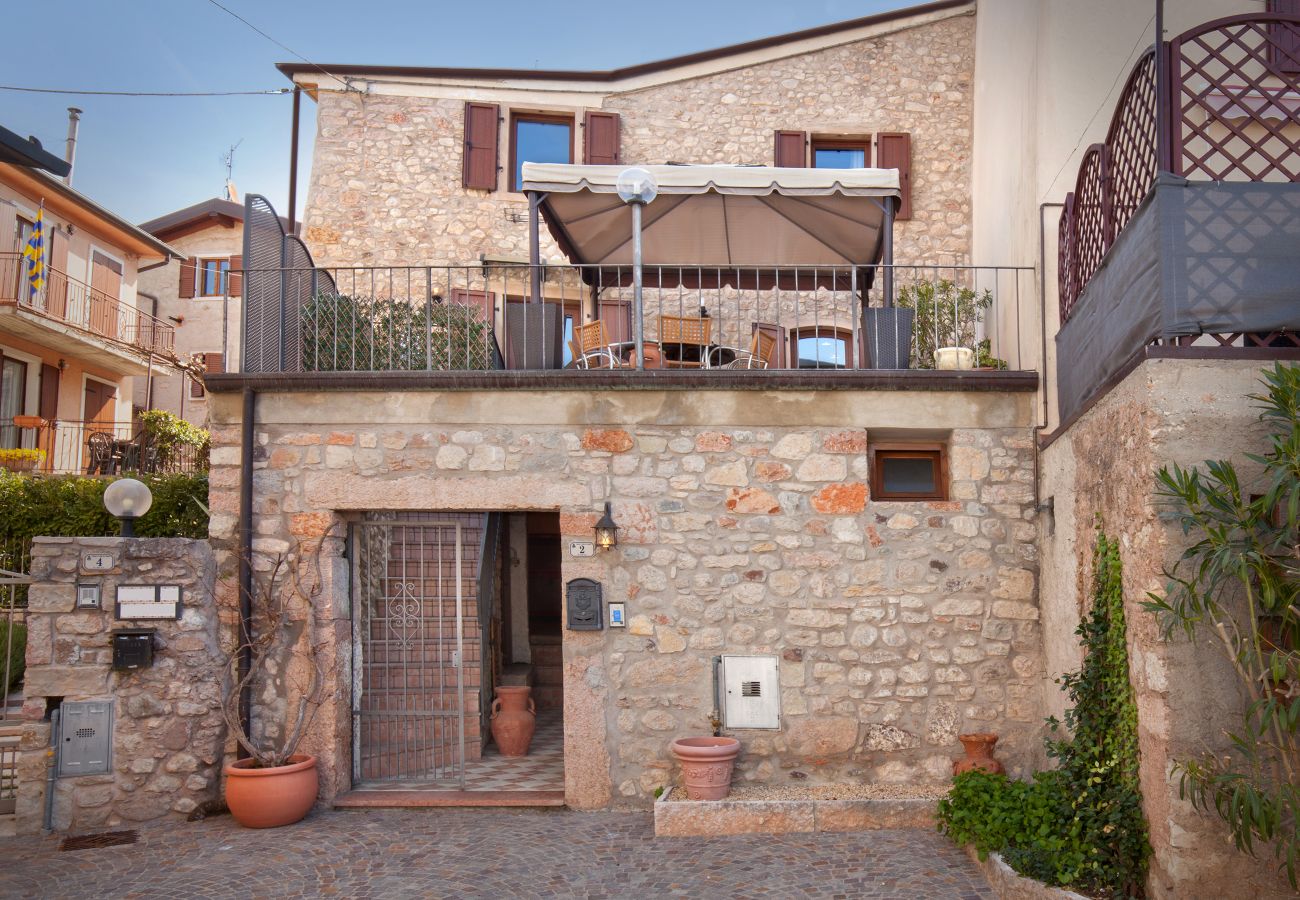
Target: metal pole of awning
x,y
889,251
639,336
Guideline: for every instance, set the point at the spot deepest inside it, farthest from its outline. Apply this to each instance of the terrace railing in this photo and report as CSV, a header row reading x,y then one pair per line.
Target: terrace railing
x,y
74,303
477,317
102,448
1226,108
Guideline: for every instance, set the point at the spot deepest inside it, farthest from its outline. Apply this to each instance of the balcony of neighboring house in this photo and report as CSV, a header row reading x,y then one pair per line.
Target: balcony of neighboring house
x,y
1180,237
81,321
808,288
98,447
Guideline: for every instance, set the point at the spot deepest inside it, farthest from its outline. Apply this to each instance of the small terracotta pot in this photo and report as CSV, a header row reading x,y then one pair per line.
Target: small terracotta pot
x,y
979,754
514,719
269,798
707,763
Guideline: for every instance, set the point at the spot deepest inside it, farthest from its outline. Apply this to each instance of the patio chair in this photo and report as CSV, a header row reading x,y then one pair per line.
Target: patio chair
x,y
760,350
678,333
592,347
101,449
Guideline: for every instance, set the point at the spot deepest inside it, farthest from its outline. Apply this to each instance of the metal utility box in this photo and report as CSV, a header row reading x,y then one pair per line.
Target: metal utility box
x,y
584,605
85,737
132,649
751,689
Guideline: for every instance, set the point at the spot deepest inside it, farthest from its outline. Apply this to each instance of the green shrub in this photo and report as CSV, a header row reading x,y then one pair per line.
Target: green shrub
x,y
1079,825
947,315
16,654
175,440
342,333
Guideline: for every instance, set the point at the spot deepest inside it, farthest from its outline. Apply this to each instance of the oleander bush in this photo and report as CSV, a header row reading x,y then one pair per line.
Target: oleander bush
x,y
342,333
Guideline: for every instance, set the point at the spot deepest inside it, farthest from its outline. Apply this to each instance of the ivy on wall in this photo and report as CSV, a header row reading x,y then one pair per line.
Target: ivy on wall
x,y
1079,825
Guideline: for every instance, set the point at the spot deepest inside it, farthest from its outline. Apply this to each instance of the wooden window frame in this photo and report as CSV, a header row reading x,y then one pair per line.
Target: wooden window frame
x,y
866,144
935,451
817,331
223,278
544,118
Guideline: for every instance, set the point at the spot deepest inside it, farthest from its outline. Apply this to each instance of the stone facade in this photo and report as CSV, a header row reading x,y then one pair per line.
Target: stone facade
x,y
168,731
1102,470
386,172
897,624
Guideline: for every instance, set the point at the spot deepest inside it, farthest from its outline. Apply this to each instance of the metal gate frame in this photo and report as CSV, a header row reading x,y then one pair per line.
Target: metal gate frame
x,y
401,602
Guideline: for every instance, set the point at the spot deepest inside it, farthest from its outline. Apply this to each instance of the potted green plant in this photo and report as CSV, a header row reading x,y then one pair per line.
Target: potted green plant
x,y
947,317
274,784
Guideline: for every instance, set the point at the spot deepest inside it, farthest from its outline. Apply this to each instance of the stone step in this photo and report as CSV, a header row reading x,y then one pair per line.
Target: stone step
x,y
402,799
547,654
548,675
676,816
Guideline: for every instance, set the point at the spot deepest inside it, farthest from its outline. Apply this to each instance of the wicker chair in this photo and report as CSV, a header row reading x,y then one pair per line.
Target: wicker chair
x,y
592,348
681,332
760,350
102,452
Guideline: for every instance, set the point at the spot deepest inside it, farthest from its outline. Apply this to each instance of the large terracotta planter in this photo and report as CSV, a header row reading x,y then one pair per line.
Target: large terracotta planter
x,y
707,763
514,719
269,798
979,754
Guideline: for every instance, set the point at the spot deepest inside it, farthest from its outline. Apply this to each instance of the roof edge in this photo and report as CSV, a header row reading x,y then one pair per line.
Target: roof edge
x,y
290,69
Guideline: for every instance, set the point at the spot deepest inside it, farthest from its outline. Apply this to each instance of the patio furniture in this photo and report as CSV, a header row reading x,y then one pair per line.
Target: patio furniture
x,y
103,453
592,347
685,341
760,350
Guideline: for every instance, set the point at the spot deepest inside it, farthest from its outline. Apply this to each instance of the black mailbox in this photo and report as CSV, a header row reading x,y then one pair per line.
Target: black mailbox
x,y
132,648
585,613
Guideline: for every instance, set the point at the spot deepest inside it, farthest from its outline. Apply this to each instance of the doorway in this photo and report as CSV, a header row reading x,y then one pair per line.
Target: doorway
x,y
448,606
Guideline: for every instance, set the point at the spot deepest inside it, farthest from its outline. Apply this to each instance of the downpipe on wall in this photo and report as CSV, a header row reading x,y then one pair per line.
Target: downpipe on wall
x,y
246,562
1041,506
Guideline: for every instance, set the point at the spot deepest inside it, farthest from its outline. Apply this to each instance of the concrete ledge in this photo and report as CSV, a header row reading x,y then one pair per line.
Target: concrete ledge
x,y
692,818
1008,884
378,799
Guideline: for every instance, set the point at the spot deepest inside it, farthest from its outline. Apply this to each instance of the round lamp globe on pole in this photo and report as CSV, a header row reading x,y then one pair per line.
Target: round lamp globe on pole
x,y
127,499
636,185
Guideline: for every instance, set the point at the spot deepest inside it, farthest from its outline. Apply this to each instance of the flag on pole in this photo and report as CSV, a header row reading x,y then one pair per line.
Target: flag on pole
x,y
34,253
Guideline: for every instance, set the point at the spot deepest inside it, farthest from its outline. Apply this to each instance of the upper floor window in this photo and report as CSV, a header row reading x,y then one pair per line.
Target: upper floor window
x,y
841,154
539,139
821,347
212,275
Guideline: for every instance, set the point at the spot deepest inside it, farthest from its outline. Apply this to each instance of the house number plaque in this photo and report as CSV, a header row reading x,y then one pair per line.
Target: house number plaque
x,y
583,603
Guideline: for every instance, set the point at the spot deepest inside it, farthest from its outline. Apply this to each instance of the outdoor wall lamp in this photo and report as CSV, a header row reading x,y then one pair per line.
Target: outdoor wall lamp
x,y
127,499
606,531
637,187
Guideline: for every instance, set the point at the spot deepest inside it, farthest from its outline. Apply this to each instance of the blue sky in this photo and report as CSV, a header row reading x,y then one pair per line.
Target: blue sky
x,y
143,157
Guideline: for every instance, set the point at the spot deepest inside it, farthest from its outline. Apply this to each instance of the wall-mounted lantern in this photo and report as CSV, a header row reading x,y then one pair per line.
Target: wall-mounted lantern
x,y
606,531
127,499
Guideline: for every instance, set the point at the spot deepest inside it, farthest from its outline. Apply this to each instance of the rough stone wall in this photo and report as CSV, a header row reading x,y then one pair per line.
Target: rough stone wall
x,y
1102,469
168,730
898,625
386,173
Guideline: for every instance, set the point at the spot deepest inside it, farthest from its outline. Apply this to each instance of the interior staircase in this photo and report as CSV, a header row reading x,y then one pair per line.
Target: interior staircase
x,y
548,670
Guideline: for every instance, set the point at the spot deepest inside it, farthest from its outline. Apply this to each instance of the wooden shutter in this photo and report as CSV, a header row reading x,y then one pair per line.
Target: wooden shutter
x,y
481,133
483,301
49,400
617,316
776,359
196,381
236,281
791,149
894,151
214,363
188,268
1284,40
600,139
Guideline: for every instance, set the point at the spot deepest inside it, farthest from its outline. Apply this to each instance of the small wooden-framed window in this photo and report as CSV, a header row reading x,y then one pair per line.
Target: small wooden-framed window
x,y
841,153
212,274
540,138
909,471
821,347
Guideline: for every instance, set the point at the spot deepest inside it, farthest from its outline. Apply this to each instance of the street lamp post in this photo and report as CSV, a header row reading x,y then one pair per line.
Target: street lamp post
x,y
637,187
127,499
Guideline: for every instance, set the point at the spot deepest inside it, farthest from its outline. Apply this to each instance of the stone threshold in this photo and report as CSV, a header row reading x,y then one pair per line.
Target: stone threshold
x,y
372,799
1008,884
695,818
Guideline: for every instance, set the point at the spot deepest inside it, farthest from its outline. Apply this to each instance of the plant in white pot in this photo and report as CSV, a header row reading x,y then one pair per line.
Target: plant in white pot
x,y
948,316
279,660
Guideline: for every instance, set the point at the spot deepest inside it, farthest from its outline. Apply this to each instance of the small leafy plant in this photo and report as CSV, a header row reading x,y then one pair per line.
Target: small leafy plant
x,y
342,333
174,440
947,315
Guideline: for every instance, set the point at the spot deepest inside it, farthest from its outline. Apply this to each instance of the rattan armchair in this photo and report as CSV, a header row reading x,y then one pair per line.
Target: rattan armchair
x,y
592,347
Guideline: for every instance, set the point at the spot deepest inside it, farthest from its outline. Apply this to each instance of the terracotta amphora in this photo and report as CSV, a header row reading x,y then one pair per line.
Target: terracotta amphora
x,y
979,754
706,765
514,719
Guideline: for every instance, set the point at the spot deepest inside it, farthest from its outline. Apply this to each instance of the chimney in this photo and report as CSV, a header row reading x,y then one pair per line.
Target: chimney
x,y
74,116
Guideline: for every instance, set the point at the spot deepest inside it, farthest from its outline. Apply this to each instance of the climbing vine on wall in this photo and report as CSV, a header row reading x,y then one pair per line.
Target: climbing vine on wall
x,y
1079,825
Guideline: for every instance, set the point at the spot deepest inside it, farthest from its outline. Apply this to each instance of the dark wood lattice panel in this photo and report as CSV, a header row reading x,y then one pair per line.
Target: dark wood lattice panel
x,y
1272,340
1066,270
1132,143
1092,234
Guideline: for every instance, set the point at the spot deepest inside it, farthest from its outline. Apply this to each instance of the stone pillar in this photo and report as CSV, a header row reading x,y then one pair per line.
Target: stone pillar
x,y
168,731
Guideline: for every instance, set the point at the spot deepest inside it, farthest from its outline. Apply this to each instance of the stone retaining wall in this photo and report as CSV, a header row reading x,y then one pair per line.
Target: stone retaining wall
x,y
168,731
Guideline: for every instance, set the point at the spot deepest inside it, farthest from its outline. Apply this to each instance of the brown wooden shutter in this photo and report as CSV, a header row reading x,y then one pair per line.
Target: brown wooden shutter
x,y
214,363
894,151
1284,39
600,139
791,149
617,316
776,359
188,267
196,381
481,132
49,400
483,301
236,280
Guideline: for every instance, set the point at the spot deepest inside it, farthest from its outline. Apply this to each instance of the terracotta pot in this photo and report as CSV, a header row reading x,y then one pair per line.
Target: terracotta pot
x,y
706,765
514,718
269,798
979,754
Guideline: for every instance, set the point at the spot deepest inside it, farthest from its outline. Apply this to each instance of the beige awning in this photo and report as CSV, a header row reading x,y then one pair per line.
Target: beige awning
x,y
751,217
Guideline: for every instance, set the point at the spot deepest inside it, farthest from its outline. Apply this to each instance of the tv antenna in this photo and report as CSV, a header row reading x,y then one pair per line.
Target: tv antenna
x,y
228,160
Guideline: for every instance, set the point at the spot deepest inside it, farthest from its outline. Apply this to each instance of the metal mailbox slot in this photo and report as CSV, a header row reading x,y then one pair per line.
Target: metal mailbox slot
x,y
132,648
751,692
584,611
85,737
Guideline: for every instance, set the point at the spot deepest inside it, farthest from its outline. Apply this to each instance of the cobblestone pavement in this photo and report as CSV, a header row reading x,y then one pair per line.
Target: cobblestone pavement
x,y
488,853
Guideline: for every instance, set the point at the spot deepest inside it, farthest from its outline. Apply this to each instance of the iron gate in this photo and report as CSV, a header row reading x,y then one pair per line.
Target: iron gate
x,y
410,584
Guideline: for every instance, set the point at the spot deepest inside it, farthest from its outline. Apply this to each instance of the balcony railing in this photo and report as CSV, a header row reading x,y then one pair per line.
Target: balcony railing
x,y
475,317
1227,109
102,448
74,303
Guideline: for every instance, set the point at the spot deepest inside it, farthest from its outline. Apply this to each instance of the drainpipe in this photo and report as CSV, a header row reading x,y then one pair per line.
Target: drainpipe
x,y
148,390
1039,506
246,560
51,770
74,117
715,718
293,162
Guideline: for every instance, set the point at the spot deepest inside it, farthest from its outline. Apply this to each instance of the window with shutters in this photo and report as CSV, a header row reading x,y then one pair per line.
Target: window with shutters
x,y
538,138
213,364
212,274
1284,38
841,153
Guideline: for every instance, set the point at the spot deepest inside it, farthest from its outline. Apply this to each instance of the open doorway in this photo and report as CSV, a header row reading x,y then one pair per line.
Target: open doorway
x,y
449,607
